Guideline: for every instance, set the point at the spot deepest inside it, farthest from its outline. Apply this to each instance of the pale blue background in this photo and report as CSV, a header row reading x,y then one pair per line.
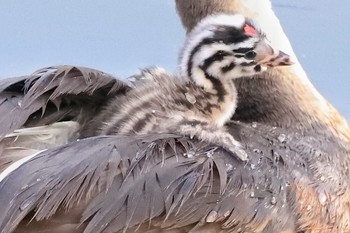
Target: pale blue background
x,y
119,37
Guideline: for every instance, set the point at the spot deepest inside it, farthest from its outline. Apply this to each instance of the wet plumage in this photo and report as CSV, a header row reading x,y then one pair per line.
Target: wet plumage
x,y
297,178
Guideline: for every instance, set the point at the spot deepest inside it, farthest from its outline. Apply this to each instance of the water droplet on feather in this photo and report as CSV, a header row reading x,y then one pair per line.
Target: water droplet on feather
x,y
273,200
322,198
257,151
210,154
226,214
189,154
190,98
282,138
229,167
212,216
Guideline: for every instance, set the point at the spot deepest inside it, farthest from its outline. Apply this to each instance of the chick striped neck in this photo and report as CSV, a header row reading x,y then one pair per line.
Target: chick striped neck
x,y
210,75
206,74
208,57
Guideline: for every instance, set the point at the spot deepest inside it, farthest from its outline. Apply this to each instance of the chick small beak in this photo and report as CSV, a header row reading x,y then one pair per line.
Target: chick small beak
x,y
282,59
271,57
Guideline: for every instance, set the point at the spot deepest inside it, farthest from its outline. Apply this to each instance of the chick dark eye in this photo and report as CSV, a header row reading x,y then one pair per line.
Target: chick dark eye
x,y
250,54
221,52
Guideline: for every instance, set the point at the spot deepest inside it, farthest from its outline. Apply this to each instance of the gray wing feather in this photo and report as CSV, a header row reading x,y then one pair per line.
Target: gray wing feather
x,y
66,87
50,95
116,183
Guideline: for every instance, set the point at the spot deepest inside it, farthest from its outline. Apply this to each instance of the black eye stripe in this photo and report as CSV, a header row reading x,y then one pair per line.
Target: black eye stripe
x,y
228,68
242,50
218,56
248,63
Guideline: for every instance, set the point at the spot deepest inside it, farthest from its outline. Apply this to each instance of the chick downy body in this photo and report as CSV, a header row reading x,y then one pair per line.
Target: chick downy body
x,y
199,101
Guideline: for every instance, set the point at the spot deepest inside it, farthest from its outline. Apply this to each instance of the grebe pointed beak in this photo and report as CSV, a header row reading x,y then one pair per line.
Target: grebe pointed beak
x,y
271,57
282,59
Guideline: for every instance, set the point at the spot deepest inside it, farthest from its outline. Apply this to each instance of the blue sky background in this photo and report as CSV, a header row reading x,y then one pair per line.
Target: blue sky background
x,y
119,37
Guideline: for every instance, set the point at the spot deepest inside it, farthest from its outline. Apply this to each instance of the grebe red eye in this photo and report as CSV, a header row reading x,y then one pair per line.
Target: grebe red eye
x,y
250,54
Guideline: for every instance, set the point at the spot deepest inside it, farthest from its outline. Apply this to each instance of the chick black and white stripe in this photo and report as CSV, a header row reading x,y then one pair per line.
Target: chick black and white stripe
x,y
203,98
